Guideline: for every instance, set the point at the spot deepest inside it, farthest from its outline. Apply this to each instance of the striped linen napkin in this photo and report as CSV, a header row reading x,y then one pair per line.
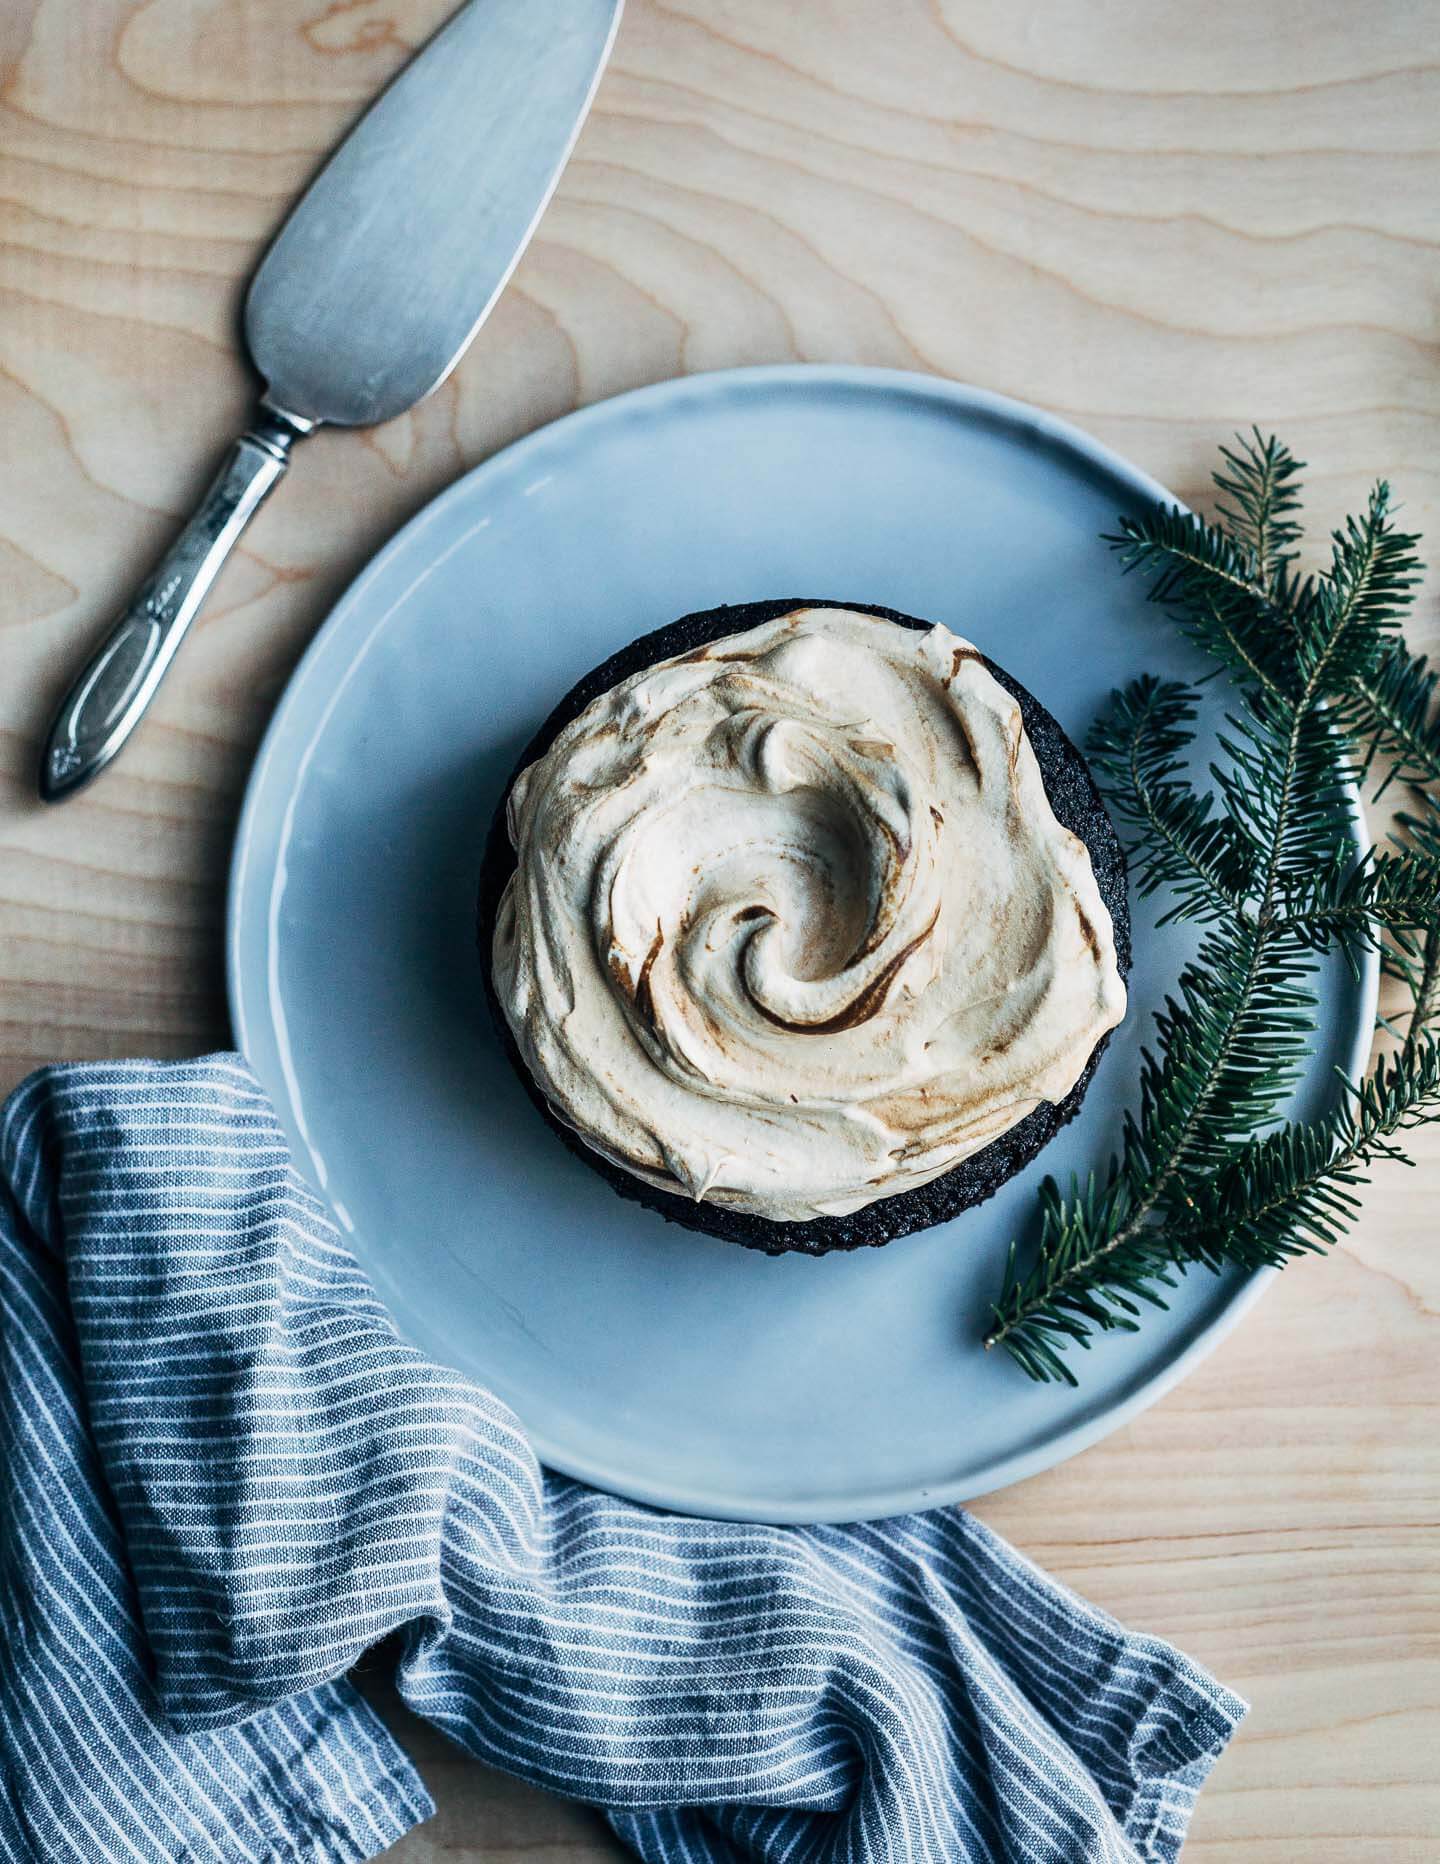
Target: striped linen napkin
x,y
225,1476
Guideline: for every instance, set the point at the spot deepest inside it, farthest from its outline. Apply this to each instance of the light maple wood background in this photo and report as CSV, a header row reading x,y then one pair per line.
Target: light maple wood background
x,y
1163,220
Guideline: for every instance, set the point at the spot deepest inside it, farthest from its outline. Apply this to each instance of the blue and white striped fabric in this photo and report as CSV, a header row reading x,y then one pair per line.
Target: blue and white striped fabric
x,y
225,1477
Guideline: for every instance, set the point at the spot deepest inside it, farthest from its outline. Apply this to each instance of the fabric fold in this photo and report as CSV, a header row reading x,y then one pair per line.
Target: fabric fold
x,y
226,1476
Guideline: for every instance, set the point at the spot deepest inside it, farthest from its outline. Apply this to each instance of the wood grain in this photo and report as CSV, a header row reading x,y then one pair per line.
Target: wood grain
x,y
1162,221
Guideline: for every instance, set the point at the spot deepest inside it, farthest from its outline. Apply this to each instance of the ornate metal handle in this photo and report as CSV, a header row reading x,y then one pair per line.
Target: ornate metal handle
x,y
111,694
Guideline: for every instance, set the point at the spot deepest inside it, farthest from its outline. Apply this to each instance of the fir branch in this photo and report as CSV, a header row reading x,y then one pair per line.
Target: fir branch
x,y
1357,608
1286,783
1426,1003
1412,955
1203,1176
1390,709
1293,1190
1262,485
1417,958
1177,840
1287,1193
1360,902
1205,580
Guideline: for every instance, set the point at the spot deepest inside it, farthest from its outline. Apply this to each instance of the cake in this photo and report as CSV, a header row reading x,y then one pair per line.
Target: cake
x,y
803,924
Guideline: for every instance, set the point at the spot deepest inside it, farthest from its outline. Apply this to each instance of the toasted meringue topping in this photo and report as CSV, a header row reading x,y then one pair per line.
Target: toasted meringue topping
x,y
793,926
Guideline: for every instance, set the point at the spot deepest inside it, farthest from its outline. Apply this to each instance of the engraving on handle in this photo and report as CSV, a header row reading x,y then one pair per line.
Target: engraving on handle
x,y
110,696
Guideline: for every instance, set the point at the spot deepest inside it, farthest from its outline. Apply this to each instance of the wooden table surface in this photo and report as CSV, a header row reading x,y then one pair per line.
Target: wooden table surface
x,y
1163,221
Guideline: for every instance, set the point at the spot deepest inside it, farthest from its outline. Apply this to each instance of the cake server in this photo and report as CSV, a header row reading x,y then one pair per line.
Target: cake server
x,y
366,300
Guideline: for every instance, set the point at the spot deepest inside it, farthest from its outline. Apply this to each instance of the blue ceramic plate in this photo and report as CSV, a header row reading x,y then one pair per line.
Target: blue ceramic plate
x,y
649,1360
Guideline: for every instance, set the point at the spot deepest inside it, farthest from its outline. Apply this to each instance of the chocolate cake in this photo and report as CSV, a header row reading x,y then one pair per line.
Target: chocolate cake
x,y
814,923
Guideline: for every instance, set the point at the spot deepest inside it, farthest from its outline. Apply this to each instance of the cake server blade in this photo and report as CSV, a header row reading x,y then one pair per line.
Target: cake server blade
x,y
369,295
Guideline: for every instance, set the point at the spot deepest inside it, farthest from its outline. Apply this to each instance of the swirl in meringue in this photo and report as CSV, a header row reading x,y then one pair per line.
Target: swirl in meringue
x,y
793,926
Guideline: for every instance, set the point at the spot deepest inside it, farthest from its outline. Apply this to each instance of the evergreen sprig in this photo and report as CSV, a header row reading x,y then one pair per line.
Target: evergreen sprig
x,y
1260,495
1324,690
1138,749
1390,711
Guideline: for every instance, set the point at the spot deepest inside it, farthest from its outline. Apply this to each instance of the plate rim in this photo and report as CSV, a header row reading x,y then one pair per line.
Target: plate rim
x,y
961,399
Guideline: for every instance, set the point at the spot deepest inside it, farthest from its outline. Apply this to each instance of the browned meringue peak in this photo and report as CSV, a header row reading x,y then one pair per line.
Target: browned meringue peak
x,y
793,926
